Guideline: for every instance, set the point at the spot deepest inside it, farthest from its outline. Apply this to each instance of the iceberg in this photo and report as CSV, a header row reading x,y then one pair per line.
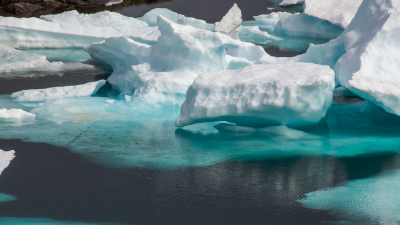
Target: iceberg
x,y
15,61
40,95
365,201
290,2
113,2
15,116
338,12
5,158
365,56
151,16
163,72
297,94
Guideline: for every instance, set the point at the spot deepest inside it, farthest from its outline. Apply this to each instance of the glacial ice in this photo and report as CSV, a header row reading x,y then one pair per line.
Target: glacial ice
x,y
15,61
338,12
365,57
163,72
295,94
290,2
366,201
100,19
40,95
151,16
76,33
230,22
306,26
15,116
5,159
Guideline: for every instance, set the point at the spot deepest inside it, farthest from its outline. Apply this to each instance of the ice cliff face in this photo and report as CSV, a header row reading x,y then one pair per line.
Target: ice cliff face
x,y
260,95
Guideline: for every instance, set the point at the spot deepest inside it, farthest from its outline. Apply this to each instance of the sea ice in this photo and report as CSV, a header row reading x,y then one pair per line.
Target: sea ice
x,y
15,61
338,12
5,159
366,201
290,2
39,95
230,22
306,26
15,116
163,72
365,57
72,30
295,94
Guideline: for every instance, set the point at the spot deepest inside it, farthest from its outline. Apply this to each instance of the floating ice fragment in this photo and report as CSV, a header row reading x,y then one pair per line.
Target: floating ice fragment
x,y
15,61
113,2
5,158
39,95
230,22
15,116
290,2
295,94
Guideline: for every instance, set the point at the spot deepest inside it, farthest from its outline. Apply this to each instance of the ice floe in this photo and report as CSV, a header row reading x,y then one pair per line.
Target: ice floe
x,y
230,22
260,95
365,57
163,72
15,61
338,12
39,95
5,159
6,198
15,116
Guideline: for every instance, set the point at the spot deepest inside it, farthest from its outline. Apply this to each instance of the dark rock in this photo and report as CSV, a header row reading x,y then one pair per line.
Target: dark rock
x,y
49,3
78,2
23,8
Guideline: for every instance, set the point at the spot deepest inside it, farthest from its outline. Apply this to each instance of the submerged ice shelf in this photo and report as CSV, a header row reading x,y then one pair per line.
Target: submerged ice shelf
x,y
366,201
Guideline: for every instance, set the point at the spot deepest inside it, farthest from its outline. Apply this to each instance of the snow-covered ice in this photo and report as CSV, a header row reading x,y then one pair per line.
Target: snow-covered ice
x,y
72,30
365,57
39,95
338,12
260,95
290,2
5,159
15,116
15,61
230,22
163,72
